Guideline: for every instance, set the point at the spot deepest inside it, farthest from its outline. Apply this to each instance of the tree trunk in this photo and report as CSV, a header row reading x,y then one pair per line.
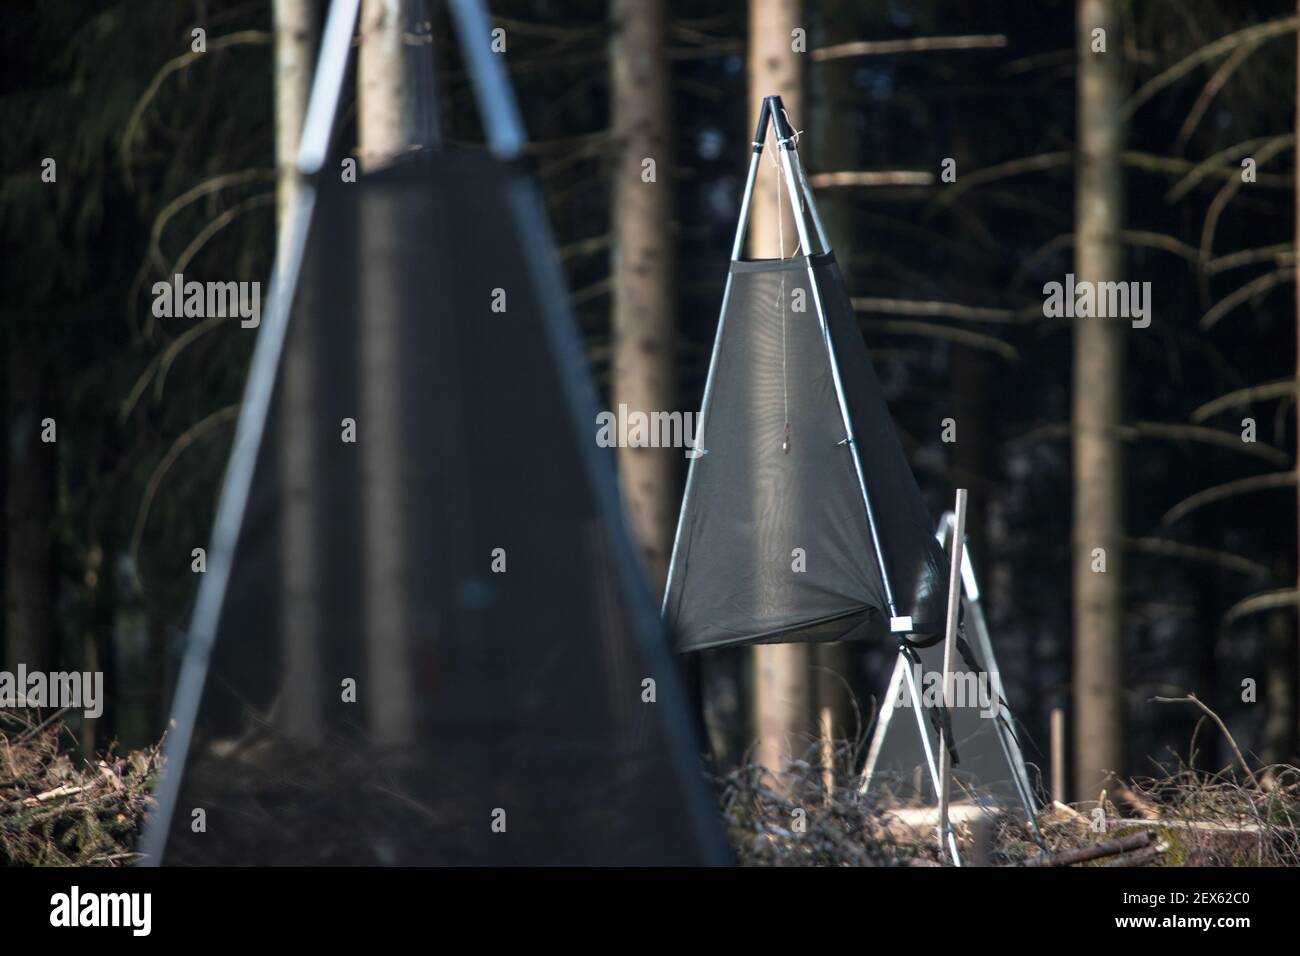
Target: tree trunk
x,y
100,650
1295,731
296,31
1279,692
1098,398
30,576
161,673
384,99
831,143
296,36
644,334
774,69
783,694
385,129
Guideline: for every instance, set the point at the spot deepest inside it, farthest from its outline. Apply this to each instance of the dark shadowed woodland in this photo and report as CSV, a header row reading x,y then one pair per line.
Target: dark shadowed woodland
x,y
963,156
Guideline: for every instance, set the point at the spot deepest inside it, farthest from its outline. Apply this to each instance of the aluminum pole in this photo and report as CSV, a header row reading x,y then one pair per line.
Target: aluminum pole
x,y
492,90
915,695
737,246
318,127
979,627
950,639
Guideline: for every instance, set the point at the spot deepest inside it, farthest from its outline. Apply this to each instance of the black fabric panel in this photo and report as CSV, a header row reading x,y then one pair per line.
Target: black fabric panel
x,y
476,691
918,567
752,501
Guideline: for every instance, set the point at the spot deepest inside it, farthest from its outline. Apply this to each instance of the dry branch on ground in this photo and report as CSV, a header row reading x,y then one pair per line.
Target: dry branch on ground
x,y
57,810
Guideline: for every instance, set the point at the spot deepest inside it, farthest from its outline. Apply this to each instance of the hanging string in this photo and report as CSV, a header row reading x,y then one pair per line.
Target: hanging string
x,y
793,140
794,133
780,241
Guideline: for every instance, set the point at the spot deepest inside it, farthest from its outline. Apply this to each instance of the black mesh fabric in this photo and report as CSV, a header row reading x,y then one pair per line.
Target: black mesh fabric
x,y
512,698
918,567
774,543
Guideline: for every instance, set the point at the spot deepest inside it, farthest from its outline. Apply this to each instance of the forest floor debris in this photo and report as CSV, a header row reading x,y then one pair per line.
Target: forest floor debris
x,y
1187,818
60,810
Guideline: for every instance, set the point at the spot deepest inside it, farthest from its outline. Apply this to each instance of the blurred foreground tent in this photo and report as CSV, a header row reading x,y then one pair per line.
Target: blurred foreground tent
x,y
801,519
501,639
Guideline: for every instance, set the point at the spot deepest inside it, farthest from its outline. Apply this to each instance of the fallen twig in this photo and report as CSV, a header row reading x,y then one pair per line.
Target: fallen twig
x,y
1124,844
32,731
1193,699
1139,858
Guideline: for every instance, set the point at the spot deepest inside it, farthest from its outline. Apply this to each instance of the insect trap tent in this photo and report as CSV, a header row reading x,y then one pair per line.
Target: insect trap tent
x,y
798,465
467,667
991,767
801,520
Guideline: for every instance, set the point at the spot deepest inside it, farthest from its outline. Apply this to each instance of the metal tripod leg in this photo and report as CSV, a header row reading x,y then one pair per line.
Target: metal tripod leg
x,y
886,714
915,694
737,247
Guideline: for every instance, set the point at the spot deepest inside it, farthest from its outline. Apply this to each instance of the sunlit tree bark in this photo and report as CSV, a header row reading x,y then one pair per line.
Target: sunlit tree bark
x,y
783,697
384,125
1098,409
296,33
644,326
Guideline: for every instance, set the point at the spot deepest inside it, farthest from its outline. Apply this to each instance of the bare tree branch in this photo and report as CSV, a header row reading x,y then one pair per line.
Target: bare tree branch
x,y
584,247
1012,167
1193,699
1229,489
1220,203
242,37
951,310
1282,254
154,256
1246,293
1175,549
1251,35
1211,90
216,224
884,177
975,340
1263,601
1245,396
186,438
1212,436
913,45
1130,237
1168,430
1212,166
